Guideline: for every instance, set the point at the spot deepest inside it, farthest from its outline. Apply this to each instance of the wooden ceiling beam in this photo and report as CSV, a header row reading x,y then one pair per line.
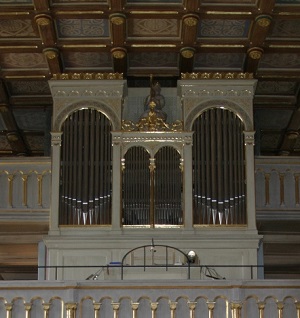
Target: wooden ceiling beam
x,y
266,6
41,5
45,25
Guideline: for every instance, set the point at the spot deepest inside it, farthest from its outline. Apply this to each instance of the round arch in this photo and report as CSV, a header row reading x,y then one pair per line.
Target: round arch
x,y
98,106
231,106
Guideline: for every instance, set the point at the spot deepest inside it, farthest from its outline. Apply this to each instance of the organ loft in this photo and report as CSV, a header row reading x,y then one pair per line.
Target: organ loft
x,y
174,167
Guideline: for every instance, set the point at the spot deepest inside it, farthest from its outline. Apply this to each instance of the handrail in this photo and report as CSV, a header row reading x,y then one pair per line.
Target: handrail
x,y
152,250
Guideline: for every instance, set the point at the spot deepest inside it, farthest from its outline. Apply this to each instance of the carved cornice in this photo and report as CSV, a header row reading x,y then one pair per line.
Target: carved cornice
x,y
217,75
159,125
88,76
152,141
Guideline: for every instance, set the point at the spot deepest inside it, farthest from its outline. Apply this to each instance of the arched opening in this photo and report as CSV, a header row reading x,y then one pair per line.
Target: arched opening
x,y
85,169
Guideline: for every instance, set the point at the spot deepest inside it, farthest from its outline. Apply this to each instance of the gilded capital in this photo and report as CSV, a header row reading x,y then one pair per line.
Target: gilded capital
x,y
118,52
264,20
187,52
43,19
117,18
50,53
255,53
190,20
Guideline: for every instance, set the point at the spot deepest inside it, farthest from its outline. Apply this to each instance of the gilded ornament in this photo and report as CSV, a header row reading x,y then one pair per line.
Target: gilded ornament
x,y
264,21
255,54
118,54
12,137
87,76
43,20
187,52
117,19
293,134
190,21
217,75
50,54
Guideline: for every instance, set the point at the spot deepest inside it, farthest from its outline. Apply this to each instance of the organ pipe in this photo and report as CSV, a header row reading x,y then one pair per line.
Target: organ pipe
x,y
218,168
86,169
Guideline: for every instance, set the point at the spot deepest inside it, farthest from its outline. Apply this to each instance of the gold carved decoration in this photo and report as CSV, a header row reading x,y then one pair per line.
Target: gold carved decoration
x,y
87,76
118,53
222,75
190,20
117,18
264,20
187,52
50,54
12,137
43,19
255,53
157,125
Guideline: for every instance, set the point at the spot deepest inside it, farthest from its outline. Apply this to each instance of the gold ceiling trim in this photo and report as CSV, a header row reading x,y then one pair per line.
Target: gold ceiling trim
x,y
221,75
14,13
87,76
71,46
284,46
154,12
222,45
24,76
289,13
229,12
18,47
79,12
153,45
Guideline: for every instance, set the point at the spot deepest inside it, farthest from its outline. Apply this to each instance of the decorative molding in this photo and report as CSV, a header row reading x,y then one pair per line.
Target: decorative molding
x,y
217,75
187,52
255,53
87,76
56,138
50,53
249,138
190,20
117,18
118,53
43,19
152,141
264,20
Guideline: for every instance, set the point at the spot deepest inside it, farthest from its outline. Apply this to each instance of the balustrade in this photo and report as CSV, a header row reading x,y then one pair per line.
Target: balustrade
x,y
231,299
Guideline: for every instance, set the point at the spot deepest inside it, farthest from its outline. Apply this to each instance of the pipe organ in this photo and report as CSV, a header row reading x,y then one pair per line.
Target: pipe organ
x,y
118,181
218,168
85,189
152,188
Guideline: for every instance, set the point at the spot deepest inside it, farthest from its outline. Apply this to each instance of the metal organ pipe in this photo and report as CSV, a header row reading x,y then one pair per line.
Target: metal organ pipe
x,y
218,168
86,172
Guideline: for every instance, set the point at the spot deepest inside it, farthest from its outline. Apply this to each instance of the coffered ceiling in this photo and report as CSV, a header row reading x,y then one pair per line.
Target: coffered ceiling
x,y
39,38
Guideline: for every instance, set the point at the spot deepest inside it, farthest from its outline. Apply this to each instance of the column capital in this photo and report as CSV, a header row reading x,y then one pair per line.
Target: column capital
x,y
56,138
249,138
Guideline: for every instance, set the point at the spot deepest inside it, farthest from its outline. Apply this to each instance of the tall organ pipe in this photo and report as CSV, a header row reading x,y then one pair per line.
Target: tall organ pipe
x,y
85,168
218,168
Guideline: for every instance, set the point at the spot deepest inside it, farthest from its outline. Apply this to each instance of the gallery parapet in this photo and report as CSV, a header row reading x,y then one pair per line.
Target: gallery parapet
x,y
87,76
216,75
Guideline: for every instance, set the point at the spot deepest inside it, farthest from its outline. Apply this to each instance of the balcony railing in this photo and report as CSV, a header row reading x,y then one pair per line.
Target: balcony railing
x,y
150,299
